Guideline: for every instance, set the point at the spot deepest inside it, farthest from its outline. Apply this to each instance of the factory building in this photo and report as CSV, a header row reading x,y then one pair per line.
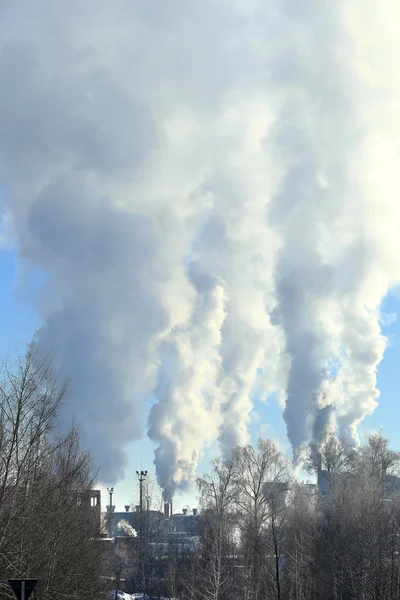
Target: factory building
x,y
155,524
326,480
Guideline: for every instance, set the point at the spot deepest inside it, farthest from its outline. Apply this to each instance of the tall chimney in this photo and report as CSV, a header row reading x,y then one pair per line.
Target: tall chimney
x,y
167,513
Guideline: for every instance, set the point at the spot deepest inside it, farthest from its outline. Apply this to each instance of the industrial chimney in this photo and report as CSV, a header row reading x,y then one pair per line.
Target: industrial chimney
x,y
167,507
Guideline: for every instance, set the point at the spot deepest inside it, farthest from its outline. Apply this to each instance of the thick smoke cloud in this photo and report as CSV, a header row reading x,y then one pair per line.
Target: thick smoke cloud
x,y
209,190
187,413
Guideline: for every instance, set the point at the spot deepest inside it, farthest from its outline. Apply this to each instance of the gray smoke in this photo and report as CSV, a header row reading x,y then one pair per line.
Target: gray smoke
x,y
324,423
207,190
326,253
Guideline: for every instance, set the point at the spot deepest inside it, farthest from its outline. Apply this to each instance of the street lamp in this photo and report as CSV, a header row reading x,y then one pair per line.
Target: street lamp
x,y
141,475
110,491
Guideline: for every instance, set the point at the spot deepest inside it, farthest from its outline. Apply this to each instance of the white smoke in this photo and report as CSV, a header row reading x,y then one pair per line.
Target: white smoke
x,y
330,279
124,526
209,190
234,241
187,413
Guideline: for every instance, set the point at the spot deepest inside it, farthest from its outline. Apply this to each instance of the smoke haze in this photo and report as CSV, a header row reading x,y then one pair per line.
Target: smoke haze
x,y
209,190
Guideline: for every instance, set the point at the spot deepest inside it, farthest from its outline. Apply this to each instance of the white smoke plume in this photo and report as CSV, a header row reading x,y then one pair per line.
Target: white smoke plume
x,y
209,192
187,413
329,278
129,530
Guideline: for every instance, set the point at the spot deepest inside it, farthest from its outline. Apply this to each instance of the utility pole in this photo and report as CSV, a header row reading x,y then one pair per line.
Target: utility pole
x,y
141,475
110,491
117,582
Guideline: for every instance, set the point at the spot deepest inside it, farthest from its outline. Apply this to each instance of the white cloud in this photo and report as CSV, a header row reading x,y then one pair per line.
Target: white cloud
x,y
256,140
387,319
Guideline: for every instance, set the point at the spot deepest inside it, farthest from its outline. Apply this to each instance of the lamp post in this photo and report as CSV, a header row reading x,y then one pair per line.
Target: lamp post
x,y
117,582
110,491
141,475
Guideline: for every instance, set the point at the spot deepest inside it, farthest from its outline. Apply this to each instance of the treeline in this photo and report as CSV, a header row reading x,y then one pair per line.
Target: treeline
x,y
263,536
47,529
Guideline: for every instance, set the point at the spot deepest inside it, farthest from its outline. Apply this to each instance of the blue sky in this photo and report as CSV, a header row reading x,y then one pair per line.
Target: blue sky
x,y
19,319
18,316
387,414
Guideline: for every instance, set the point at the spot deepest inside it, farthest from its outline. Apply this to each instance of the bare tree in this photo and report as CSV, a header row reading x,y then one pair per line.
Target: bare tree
x,y
47,527
261,482
302,526
377,458
332,455
356,546
217,547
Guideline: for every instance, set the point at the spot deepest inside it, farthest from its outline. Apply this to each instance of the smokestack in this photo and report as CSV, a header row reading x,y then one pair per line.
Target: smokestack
x,y
167,507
